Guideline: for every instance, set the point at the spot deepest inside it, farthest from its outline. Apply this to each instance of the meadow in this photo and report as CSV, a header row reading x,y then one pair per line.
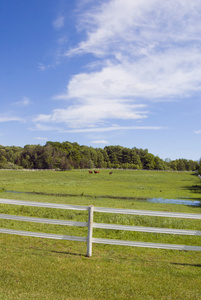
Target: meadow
x,y
48,269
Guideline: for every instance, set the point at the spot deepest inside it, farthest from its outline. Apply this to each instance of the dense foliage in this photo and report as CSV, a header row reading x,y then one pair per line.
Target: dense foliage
x,y
66,156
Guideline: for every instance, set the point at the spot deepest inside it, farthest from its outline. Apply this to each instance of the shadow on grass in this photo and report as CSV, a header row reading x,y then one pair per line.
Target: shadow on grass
x,y
57,252
79,195
195,188
68,253
191,265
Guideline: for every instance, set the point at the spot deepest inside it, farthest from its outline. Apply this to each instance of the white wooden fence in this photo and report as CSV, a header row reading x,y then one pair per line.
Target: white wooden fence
x,y
90,224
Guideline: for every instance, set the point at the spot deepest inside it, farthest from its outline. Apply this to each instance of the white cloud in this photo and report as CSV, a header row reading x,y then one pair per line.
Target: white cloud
x,y
100,142
42,127
24,102
139,26
155,46
43,67
58,22
9,118
149,51
197,131
41,138
89,114
174,72
113,128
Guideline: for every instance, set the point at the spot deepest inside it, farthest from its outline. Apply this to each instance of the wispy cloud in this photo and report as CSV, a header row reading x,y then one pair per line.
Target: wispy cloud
x,y
41,138
149,51
104,142
197,131
43,67
42,127
91,113
58,22
24,102
139,27
9,118
113,128
147,44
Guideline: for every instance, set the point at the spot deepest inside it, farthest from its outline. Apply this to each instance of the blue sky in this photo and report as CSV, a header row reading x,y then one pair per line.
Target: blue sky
x,y
102,72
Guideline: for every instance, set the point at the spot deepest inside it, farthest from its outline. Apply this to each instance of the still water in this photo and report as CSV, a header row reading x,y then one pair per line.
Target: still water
x,y
175,201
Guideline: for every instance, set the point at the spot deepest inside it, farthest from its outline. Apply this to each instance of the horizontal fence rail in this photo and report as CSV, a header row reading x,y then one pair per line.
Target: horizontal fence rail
x,y
147,229
146,245
102,225
42,220
43,204
44,235
147,213
90,224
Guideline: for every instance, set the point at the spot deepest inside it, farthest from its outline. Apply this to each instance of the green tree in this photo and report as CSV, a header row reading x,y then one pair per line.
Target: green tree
x,y
148,161
90,164
135,159
100,159
199,167
159,164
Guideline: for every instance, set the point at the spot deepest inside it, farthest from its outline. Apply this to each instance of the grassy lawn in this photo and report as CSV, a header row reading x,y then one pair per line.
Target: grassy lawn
x,y
122,183
33,268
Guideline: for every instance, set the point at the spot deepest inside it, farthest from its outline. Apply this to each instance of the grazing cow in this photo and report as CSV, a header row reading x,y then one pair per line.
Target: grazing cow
x,y
90,172
96,171
110,173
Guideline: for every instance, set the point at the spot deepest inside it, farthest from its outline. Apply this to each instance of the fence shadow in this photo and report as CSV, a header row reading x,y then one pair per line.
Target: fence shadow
x,y
68,253
59,252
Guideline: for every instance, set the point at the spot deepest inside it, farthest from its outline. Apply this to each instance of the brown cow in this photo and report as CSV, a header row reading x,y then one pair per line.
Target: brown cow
x,y
90,172
96,171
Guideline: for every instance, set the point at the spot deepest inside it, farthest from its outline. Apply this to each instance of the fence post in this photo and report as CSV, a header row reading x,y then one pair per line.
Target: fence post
x,y
90,230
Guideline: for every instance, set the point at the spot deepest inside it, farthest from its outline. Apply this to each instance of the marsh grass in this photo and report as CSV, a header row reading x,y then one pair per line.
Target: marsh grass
x,y
33,268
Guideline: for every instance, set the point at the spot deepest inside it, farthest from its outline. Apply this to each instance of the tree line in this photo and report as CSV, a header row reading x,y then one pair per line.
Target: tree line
x,y
67,156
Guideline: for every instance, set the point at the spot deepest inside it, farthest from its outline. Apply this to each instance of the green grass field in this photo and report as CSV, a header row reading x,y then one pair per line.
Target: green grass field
x,y
33,268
